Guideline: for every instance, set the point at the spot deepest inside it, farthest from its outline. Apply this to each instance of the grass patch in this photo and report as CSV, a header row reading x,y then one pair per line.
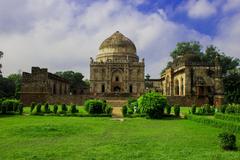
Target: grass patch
x,y
35,137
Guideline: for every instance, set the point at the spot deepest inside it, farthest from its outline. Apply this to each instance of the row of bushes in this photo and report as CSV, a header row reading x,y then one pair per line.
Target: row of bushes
x,y
10,106
230,108
227,117
151,104
39,108
227,125
92,106
205,109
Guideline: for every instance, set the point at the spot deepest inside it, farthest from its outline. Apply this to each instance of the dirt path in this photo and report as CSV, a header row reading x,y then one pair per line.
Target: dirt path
x,y
117,112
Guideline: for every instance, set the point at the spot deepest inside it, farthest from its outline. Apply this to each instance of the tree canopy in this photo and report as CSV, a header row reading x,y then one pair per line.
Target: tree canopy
x,y
17,79
227,63
75,79
7,88
182,48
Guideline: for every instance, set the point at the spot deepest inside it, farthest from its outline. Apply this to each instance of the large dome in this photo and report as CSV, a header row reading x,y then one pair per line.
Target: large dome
x,y
118,40
117,47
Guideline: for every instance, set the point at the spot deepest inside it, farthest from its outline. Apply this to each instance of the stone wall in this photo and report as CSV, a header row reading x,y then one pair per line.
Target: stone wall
x,y
187,100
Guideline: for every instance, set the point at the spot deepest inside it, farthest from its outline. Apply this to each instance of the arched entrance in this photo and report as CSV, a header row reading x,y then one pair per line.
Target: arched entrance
x,y
117,81
117,89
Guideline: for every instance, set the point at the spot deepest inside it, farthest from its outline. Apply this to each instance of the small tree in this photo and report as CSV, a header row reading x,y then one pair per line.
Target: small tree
x,y
74,109
39,108
46,108
55,108
64,108
194,108
168,108
32,106
177,110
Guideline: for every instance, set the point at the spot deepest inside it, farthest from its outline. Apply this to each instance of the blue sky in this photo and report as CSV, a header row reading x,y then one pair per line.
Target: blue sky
x,y
64,34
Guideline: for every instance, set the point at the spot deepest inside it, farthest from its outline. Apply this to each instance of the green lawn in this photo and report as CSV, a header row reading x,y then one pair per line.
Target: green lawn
x,y
43,137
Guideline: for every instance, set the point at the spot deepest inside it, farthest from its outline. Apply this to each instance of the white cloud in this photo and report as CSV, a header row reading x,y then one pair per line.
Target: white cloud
x,y
231,5
62,36
199,9
228,36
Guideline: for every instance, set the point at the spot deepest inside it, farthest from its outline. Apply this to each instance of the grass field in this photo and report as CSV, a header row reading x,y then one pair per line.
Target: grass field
x,y
43,137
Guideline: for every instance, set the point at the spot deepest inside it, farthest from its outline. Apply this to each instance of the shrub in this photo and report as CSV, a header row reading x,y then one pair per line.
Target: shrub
x,y
108,109
168,108
130,110
64,108
177,110
233,109
223,108
227,141
39,108
94,106
206,109
33,106
124,110
9,105
55,108
74,109
194,109
152,104
20,108
46,108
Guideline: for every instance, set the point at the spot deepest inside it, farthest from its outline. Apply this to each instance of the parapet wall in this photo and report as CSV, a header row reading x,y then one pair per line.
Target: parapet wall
x,y
187,100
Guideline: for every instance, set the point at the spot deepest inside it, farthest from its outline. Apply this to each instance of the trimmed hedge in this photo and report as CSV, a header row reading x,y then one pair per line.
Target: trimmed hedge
x,y
227,117
78,115
233,109
231,126
9,105
97,106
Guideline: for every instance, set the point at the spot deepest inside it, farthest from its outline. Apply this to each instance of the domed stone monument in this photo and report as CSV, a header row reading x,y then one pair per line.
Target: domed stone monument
x,y
117,70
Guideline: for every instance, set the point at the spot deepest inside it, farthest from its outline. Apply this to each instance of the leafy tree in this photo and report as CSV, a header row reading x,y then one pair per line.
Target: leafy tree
x,y
7,88
152,104
232,86
182,48
228,63
17,79
75,79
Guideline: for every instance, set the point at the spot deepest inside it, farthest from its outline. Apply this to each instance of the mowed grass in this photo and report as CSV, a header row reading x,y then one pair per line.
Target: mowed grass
x,y
43,137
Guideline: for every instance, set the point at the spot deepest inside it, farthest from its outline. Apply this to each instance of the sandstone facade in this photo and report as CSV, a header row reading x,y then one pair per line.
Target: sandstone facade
x,y
117,69
38,85
189,80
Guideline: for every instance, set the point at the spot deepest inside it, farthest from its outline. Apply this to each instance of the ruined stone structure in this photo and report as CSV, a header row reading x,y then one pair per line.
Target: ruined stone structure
x,y
190,80
117,69
40,84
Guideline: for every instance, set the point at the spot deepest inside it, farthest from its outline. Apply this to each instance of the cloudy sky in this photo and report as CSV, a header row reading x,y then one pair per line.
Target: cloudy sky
x,y
64,34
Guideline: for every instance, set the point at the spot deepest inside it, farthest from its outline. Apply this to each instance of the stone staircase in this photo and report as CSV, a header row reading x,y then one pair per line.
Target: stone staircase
x,y
117,107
